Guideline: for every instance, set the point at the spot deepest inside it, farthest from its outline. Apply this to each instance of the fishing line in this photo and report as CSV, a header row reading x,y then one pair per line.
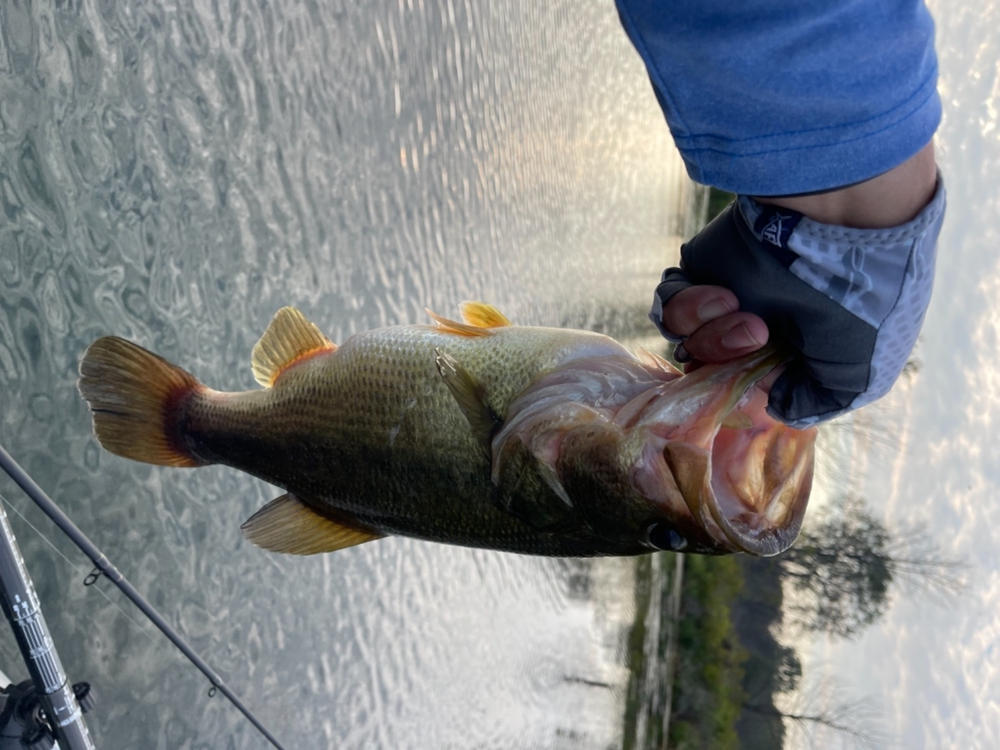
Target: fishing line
x,y
76,566
55,513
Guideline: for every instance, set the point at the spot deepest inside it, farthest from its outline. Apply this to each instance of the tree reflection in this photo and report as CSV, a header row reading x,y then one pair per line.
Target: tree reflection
x,y
736,685
843,567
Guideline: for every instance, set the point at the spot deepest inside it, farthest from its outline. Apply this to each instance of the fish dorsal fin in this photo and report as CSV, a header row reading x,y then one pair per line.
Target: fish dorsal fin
x,y
286,524
481,315
447,325
289,338
470,395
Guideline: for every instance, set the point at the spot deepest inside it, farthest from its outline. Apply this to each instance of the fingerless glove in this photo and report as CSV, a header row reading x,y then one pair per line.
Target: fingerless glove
x,y
846,303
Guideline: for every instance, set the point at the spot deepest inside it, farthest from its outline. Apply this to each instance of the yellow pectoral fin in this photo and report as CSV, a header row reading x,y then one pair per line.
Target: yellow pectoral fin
x,y
286,524
289,338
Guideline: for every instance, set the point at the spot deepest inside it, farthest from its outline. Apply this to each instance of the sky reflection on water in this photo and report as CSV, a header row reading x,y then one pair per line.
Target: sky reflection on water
x,y
175,174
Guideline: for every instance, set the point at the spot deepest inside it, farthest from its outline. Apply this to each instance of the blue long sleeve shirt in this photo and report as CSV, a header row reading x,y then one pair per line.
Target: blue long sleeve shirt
x,y
775,98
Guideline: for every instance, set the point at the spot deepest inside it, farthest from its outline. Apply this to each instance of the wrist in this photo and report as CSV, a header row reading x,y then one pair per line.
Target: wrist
x,y
888,200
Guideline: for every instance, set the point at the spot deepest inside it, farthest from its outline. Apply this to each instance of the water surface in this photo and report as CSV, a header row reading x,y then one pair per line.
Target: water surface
x,y
174,174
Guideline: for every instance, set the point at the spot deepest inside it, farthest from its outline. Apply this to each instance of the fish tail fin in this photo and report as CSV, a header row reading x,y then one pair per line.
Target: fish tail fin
x,y
135,398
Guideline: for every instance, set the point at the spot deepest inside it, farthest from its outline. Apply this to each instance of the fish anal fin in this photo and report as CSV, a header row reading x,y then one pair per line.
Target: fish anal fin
x,y
289,338
482,315
469,395
286,524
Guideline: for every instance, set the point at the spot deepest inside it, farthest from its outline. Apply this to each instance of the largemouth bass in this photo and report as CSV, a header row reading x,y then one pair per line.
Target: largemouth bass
x,y
476,432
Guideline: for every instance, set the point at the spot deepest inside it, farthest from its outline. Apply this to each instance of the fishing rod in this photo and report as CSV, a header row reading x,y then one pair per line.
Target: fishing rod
x,y
105,566
63,720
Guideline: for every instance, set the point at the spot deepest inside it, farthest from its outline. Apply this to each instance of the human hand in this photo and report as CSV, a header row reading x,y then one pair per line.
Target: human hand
x,y
844,304
714,328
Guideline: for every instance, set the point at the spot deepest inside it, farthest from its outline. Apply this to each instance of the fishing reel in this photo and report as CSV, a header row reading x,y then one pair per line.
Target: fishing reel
x,y
24,724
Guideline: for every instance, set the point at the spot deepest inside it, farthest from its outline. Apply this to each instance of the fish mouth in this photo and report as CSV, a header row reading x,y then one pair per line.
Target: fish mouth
x,y
744,476
760,480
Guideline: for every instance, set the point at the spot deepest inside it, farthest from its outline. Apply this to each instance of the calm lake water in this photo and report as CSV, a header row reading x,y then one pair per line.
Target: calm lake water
x,y
176,172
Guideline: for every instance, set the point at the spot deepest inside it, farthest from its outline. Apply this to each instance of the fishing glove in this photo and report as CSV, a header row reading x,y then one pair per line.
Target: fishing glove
x,y
848,303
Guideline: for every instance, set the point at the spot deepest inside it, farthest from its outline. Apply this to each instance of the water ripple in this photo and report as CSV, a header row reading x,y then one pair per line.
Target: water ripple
x,y
174,174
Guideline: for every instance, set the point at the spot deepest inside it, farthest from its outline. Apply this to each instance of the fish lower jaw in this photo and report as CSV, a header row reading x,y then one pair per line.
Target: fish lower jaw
x,y
741,488
761,483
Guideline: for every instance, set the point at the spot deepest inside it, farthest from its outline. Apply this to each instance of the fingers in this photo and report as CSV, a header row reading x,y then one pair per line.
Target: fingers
x,y
727,337
691,308
716,331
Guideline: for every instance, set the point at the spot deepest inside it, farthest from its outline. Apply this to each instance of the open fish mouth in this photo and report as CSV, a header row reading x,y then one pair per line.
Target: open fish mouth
x,y
760,477
744,476
704,468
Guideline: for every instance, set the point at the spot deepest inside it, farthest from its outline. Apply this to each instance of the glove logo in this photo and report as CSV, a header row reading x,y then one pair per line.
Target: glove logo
x,y
775,225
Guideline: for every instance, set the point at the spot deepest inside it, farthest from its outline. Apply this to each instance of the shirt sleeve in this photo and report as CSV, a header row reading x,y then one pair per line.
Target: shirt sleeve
x,y
783,97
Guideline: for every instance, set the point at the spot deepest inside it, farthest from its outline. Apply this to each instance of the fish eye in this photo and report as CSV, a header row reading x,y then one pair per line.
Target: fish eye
x,y
664,536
